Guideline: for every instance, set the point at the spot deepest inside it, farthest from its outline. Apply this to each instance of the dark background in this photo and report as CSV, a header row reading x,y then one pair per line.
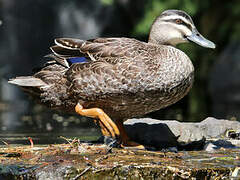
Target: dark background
x,y
29,27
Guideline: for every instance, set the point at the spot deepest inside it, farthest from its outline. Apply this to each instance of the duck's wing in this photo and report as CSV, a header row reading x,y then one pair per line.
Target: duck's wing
x,y
113,65
112,50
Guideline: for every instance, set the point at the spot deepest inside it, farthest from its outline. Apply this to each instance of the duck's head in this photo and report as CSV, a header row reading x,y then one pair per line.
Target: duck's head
x,y
173,27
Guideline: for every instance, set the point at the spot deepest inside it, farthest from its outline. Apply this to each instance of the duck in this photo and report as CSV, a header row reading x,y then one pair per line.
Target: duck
x,y
114,79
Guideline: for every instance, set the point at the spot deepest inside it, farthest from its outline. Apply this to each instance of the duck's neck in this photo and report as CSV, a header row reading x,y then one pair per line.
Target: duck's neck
x,y
154,41
160,41
160,35
154,38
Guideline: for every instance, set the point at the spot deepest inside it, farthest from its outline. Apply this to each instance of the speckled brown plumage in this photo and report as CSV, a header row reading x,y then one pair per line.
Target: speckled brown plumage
x,y
122,76
127,78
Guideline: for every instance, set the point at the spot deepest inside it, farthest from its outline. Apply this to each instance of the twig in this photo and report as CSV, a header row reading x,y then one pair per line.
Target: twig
x,y
71,141
66,139
31,141
5,143
82,173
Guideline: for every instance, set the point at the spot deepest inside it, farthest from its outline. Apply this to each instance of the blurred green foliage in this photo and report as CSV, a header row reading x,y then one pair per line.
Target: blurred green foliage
x,y
107,2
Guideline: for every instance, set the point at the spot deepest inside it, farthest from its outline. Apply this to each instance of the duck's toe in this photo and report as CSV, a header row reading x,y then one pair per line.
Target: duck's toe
x,y
132,145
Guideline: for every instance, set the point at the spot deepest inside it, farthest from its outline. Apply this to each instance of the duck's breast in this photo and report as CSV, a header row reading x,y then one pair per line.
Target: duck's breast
x,y
173,68
168,77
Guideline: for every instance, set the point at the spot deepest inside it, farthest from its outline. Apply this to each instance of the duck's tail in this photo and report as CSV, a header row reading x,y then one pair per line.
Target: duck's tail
x,y
27,81
48,86
30,85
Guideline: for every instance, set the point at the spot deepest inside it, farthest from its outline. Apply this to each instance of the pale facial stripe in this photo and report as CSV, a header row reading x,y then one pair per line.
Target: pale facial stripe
x,y
172,18
180,13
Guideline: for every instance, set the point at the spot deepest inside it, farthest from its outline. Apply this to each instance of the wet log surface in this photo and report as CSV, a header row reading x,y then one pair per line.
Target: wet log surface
x,y
77,160
216,156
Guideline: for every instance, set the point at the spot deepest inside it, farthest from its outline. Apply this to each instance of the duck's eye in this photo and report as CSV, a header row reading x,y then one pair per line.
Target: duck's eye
x,y
178,21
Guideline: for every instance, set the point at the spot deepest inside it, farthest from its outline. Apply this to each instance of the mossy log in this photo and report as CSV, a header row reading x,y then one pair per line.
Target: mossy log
x,y
90,161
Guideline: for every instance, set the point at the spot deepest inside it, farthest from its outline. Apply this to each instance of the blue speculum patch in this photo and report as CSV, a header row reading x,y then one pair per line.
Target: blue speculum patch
x,y
77,60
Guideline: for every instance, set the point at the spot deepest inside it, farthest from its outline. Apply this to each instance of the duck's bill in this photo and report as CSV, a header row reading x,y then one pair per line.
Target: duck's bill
x,y
200,40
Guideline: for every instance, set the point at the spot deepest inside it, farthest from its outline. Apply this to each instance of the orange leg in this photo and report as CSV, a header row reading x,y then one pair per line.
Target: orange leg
x,y
103,128
108,127
125,139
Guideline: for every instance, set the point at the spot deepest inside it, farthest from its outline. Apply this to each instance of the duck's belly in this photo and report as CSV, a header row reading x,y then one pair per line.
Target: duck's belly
x,y
124,106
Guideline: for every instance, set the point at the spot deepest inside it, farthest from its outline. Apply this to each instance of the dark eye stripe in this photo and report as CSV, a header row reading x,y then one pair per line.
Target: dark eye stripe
x,y
187,25
182,23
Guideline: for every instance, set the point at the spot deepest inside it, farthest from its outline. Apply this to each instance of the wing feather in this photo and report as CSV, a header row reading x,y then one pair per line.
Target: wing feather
x,y
108,49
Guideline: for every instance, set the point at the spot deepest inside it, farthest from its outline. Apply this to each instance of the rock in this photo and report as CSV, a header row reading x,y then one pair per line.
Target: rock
x,y
163,134
212,145
151,132
236,173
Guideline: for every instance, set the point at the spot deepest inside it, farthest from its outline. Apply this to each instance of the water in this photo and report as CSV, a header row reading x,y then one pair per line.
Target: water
x,y
43,125
14,138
